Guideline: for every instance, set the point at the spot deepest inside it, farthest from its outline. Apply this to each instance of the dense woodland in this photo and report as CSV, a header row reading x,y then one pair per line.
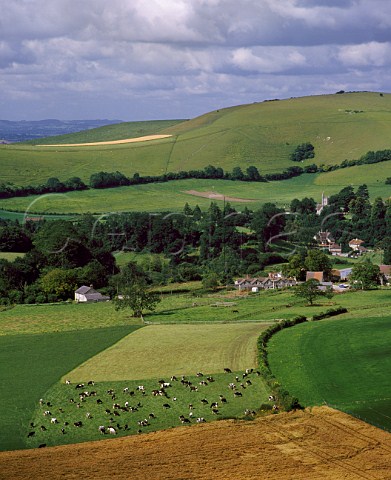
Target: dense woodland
x,y
215,245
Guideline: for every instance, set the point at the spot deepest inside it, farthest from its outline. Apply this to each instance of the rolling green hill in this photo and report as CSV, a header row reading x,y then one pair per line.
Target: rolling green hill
x,y
340,126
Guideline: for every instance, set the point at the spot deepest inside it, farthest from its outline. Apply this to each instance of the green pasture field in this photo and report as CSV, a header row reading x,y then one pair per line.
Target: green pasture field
x,y
20,216
62,317
265,306
165,350
10,256
171,196
31,364
261,134
344,363
118,131
122,258
179,397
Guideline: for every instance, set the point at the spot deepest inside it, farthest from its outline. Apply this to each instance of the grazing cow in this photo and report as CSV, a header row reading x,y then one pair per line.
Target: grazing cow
x,y
91,382
43,428
174,379
238,394
112,430
193,388
232,386
79,385
204,401
63,431
214,405
140,388
67,382
248,382
271,398
102,429
235,311
222,399
54,420
210,379
190,406
78,424
151,415
42,445
200,374
46,413
203,383
99,401
185,420
31,434
166,405
227,370
275,407
88,415
200,420
215,411
249,370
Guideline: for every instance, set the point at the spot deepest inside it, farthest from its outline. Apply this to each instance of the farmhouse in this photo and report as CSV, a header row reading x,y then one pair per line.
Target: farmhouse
x,y
314,276
341,274
88,294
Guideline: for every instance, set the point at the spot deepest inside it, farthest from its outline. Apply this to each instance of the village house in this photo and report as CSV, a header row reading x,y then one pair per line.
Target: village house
x,y
326,241
356,245
272,281
385,274
88,294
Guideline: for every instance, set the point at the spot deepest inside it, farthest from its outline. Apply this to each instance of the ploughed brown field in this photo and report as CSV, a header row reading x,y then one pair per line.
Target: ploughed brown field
x,y
320,443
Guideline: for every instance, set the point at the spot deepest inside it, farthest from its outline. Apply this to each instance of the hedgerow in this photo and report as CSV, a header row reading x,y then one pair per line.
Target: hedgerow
x,y
282,397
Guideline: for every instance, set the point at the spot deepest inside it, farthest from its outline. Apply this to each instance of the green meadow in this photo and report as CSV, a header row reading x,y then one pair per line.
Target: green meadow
x,y
31,364
344,363
163,350
42,344
261,134
172,196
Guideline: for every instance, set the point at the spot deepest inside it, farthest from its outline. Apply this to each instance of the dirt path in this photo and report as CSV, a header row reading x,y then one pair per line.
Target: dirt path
x,y
218,196
112,142
318,444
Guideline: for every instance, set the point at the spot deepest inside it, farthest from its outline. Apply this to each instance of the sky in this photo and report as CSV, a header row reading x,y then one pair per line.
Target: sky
x,y
174,59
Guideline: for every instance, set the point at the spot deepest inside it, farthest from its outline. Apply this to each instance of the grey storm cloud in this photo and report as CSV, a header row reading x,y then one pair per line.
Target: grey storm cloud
x,y
138,59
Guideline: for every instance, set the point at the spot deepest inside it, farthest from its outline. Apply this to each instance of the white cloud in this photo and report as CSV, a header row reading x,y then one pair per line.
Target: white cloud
x,y
185,54
369,54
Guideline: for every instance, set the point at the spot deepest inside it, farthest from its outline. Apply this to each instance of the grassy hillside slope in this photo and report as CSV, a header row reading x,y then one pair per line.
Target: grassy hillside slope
x,y
342,126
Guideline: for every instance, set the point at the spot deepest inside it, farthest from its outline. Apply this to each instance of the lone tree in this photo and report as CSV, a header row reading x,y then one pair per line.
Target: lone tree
x,y
309,290
137,298
132,291
365,275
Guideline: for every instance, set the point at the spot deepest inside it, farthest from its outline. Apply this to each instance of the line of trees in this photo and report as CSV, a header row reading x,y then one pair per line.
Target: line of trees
x,y
251,174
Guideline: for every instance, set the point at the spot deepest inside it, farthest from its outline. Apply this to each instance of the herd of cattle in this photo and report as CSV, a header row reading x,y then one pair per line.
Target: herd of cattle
x,y
109,411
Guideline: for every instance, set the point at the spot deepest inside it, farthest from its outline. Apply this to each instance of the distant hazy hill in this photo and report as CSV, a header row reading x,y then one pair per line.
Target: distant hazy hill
x,y
20,131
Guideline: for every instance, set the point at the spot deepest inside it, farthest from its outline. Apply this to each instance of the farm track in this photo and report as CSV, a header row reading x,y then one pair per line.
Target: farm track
x,y
321,443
